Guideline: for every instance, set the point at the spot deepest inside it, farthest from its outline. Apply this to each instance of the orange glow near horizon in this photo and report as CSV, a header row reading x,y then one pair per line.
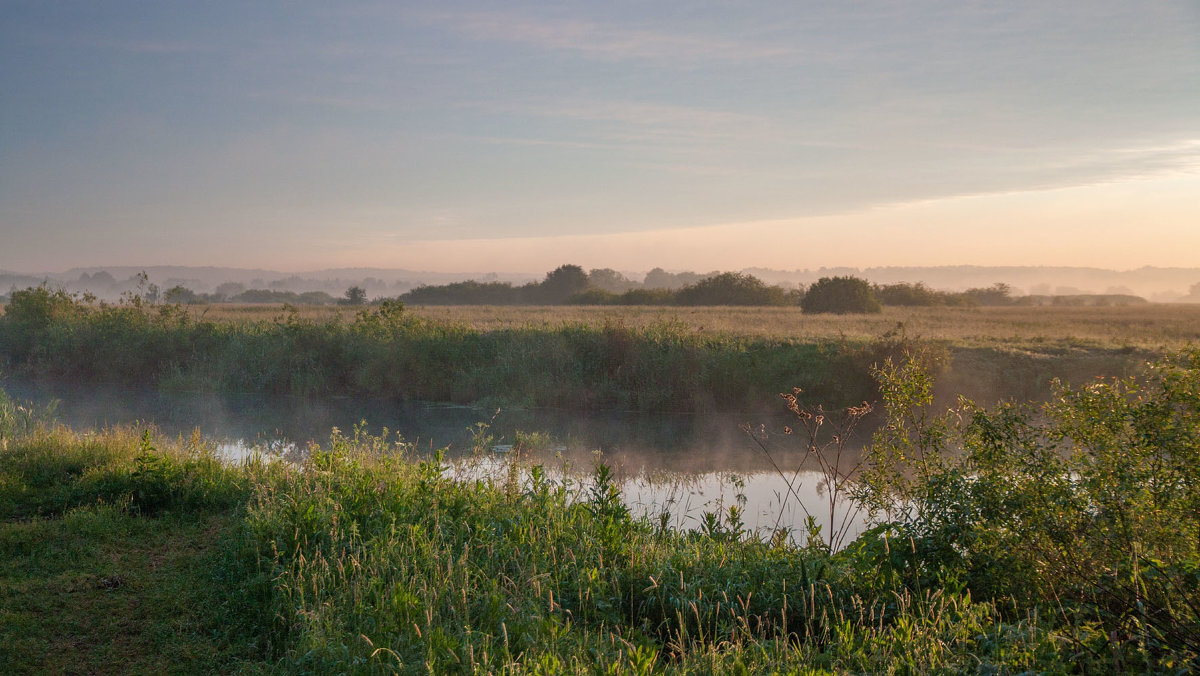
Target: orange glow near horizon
x,y
1118,225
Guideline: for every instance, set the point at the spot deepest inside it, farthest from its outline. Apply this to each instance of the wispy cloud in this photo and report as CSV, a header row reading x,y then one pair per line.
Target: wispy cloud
x,y
637,120
602,41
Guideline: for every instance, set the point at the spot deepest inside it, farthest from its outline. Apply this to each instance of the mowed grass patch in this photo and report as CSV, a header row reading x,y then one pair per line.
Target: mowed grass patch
x,y
119,554
100,591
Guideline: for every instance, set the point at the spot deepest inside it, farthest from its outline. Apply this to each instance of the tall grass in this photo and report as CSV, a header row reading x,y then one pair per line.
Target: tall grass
x,y
386,351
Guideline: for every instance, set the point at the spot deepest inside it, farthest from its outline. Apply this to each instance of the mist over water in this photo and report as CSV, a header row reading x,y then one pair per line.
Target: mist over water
x,y
683,465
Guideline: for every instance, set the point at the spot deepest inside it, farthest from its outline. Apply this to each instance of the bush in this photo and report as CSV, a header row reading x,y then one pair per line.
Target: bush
x,y
731,288
469,292
904,294
996,294
1083,505
840,295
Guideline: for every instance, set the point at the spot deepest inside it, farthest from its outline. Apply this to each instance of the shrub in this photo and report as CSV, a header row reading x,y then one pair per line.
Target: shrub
x,y
996,294
840,295
904,294
1083,506
469,292
731,288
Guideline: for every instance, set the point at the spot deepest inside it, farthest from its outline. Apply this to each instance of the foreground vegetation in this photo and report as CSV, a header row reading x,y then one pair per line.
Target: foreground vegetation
x,y
1060,538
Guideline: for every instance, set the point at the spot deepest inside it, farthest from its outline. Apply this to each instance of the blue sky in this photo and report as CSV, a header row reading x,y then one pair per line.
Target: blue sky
x,y
517,136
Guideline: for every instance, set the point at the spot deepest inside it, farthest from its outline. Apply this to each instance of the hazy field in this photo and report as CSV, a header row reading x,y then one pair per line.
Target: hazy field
x,y
1149,327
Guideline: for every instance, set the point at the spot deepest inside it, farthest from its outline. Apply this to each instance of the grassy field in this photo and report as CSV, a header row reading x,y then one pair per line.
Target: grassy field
x,y
1151,326
127,553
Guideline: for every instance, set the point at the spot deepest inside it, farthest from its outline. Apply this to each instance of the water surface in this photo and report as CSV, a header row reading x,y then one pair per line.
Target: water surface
x,y
683,465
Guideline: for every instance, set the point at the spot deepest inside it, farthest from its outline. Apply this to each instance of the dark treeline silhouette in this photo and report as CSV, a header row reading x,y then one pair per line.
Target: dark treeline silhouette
x,y
273,296
569,285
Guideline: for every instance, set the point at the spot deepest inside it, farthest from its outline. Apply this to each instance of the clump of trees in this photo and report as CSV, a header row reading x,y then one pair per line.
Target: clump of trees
x,y
732,288
996,294
905,294
469,292
727,288
273,296
182,295
841,295
560,285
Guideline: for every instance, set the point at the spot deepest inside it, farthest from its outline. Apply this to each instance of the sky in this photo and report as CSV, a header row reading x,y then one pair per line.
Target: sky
x,y
515,136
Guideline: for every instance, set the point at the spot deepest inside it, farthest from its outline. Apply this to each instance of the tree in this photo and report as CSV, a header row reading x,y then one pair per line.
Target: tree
x,y
181,294
227,290
103,280
840,295
610,280
661,279
355,295
562,283
469,292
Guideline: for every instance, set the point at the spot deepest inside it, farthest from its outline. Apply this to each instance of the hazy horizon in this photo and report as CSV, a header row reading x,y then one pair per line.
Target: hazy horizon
x,y
469,136
1152,283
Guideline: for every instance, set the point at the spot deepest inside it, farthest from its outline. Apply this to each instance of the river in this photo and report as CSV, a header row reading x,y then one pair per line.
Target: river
x,y
680,465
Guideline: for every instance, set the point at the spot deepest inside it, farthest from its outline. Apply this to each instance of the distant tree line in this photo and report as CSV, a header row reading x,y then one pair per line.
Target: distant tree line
x,y
184,296
571,285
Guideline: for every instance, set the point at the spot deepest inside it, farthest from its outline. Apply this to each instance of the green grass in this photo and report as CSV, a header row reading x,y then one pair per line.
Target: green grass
x,y
113,554
98,591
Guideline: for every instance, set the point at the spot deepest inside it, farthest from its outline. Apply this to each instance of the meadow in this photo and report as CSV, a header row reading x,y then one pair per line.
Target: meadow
x,y
1058,537
1149,326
